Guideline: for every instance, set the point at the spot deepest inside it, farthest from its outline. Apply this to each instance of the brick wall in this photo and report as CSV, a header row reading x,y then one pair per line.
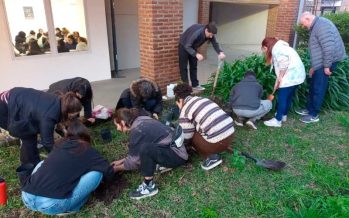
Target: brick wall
x,y
204,11
287,12
160,24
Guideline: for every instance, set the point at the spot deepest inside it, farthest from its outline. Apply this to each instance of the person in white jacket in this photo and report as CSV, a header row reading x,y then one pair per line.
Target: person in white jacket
x,y
290,73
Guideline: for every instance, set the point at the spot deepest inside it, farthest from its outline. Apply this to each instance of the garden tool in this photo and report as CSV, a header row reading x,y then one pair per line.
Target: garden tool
x,y
220,64
268,164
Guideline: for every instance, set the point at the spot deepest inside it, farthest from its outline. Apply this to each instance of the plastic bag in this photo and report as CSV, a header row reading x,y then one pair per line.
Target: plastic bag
x,y
101,112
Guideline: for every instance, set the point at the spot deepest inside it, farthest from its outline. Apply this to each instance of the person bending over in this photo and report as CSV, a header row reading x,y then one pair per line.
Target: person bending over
x,y
63,182
205,125
150,143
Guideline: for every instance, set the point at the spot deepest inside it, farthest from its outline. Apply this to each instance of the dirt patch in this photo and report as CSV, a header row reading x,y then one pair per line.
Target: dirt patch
x,y
108,191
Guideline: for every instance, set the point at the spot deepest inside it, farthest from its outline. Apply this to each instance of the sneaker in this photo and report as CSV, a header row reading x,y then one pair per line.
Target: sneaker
x,y
302,112
309,119
273,123
251,124
144,191
66,213
160,169
199,88
239,121
211,162
284,118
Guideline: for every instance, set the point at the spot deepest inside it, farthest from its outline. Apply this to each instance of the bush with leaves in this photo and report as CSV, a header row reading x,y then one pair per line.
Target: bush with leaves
x,y
337,97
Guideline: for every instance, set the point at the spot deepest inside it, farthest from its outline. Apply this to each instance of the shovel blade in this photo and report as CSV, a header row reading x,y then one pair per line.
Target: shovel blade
x,y
271,164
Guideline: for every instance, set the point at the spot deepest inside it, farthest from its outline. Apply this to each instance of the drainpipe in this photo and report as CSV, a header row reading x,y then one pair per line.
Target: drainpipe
x,y
114,73
300,11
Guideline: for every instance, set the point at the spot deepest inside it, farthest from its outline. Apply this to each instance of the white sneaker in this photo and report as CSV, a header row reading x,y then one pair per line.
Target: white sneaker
x,y
284,117
273,123
199,88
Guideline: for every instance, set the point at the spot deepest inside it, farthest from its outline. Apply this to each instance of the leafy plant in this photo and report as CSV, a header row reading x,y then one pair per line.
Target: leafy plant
x,y
237,161
337,97
209,213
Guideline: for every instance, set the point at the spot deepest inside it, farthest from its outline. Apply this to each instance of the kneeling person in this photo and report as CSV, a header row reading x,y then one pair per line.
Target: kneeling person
x,y
205,125
245,100
150,143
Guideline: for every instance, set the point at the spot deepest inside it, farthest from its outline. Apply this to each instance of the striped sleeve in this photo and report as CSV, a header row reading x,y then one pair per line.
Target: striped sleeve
x,y
4,96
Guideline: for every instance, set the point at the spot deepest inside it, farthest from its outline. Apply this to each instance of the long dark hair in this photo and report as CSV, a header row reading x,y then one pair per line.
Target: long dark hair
x,y
128,115
269,42
69,104
76,131
83,87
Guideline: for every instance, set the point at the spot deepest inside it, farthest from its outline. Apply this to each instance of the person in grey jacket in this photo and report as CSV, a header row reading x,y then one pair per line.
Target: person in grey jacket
x,y
326,50
189,42
150,143
245,100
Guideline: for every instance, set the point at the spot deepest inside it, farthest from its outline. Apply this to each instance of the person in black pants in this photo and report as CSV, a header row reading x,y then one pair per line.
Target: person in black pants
x,y
189,42
81,87
27,112
150,143
143,94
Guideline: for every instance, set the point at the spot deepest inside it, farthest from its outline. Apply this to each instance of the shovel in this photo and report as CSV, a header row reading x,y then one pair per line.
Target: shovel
x,y
220,64
268,164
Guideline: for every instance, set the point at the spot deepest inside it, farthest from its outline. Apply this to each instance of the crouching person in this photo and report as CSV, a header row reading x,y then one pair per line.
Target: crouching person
x,y
205,125
62,183
151,143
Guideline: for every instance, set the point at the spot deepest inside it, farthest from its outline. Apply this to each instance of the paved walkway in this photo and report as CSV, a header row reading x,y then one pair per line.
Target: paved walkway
x,y
107,92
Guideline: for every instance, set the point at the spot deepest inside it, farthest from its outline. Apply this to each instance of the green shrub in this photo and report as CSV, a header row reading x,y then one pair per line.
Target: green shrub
x,y
337,97
341,20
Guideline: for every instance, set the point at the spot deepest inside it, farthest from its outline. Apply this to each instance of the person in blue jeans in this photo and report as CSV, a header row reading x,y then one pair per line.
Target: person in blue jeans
x,y
290,72
326,50
62,183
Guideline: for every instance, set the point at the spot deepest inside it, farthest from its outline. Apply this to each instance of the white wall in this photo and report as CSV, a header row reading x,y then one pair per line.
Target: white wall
x,y
127,34
241,28
190,13
40,71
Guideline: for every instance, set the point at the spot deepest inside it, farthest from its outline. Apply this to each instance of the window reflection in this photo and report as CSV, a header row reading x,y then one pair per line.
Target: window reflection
x,y
28,27
70,27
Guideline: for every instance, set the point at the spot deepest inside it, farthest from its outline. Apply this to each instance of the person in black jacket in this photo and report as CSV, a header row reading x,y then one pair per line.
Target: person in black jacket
x,y
189,42
81,87
150,143
20,42
246,101
27,112
63,182
143,94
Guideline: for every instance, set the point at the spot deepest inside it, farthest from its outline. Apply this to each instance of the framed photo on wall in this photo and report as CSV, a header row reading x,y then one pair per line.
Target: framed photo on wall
x,y
28,13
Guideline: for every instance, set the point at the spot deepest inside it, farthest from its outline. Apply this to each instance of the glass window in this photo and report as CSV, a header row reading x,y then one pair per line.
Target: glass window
x,y
69,24
28,27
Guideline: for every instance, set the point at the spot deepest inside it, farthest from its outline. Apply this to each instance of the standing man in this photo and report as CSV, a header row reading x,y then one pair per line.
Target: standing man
x,y
326,50
189,42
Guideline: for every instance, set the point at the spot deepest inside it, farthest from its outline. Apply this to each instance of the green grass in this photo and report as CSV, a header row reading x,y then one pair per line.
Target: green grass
x,y
315,182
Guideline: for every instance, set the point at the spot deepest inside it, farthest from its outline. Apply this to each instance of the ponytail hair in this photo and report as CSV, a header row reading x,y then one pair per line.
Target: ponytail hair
x,y
69,104
269,43
128,115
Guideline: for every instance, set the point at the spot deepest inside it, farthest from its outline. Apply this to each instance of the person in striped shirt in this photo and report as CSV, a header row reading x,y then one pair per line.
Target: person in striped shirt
x,y
205,125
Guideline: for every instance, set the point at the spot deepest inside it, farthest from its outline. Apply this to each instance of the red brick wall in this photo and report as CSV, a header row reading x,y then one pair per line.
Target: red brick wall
x,y
286,19
160,24
204,11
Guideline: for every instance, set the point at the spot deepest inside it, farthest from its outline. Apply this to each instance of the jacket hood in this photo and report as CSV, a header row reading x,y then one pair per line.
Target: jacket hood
x,y
134,86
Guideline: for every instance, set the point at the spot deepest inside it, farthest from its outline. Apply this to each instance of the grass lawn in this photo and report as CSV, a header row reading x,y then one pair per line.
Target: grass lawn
x,y
315,182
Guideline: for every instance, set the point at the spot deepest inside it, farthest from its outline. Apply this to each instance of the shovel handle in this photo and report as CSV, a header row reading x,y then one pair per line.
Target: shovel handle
x,y
248,156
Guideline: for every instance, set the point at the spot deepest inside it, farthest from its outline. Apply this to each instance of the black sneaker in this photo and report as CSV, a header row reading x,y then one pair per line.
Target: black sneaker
x,y
239,121
144,191
211,162
302,112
